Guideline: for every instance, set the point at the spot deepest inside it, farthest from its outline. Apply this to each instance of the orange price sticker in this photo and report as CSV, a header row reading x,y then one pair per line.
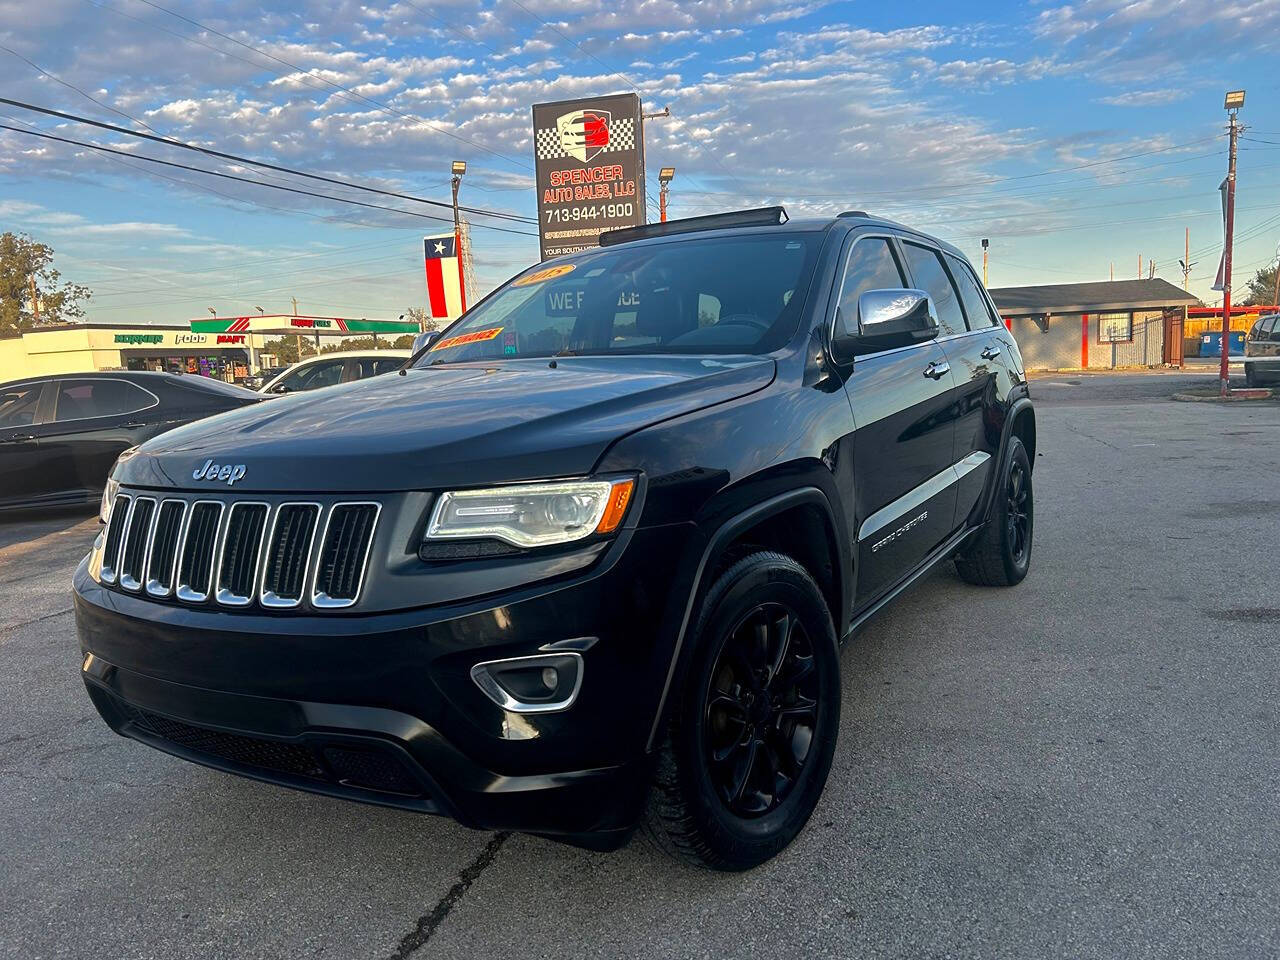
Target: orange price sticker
x,y
465,338
539,276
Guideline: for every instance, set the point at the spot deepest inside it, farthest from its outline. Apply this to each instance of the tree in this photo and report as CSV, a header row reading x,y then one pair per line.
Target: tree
x,y
285,349
424,320
22,261
1262,288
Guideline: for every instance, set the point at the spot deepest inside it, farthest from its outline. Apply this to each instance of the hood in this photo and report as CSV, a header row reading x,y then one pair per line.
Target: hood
x,y
451,425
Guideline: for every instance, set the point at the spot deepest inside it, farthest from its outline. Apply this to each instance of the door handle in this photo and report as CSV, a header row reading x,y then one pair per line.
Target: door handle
x,y
19,438
937,370
138,423
990,353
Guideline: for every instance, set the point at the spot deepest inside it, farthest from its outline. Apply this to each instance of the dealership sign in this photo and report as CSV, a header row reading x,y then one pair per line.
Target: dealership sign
x,y
589,170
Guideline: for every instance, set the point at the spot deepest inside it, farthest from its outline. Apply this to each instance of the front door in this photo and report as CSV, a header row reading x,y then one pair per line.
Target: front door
x,y
904,494
21,478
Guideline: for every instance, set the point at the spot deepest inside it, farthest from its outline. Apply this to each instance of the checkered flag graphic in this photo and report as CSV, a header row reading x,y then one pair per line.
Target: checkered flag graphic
x,y
622,136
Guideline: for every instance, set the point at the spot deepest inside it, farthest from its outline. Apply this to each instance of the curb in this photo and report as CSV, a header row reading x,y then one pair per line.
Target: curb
x,y
1236,396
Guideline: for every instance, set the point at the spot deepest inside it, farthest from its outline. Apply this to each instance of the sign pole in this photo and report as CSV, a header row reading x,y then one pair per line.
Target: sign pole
x,y
1223,376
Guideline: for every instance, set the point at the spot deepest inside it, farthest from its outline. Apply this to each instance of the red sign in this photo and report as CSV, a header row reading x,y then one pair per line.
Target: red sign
x,y
231,338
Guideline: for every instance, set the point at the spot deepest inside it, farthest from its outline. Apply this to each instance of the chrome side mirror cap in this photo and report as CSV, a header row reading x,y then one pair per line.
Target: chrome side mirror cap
x,y
886,319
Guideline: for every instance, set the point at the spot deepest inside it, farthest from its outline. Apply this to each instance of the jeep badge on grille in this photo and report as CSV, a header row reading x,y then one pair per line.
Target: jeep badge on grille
x,y
225,473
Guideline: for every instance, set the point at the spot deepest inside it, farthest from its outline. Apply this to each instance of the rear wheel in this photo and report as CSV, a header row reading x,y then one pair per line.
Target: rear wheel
x,y
1001,555
754,722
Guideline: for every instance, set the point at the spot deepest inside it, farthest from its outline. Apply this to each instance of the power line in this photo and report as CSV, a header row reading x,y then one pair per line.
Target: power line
x,y
218,154
258,183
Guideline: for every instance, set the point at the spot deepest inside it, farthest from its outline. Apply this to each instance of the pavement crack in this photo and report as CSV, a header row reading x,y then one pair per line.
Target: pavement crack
x,y
26,623
427,924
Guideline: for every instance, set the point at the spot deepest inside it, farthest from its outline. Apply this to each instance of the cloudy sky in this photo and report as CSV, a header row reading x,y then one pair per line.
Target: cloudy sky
x,y
1073,135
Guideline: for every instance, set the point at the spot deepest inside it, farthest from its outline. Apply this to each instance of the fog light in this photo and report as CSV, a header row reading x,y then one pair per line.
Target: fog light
x,y
544,683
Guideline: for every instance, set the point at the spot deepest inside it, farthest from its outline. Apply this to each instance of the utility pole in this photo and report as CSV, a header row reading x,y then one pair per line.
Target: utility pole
x,y
1139,266
35,301
459,169
1234,101
1113,271
1186,263
665,176
985,243
297,337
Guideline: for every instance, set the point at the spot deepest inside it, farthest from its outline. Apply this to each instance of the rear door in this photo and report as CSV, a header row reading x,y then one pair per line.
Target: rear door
x,y
21,476
904,495
93,420
980,360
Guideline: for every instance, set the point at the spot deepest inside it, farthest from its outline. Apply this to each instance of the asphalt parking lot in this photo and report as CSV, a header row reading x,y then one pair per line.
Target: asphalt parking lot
x,y
1087,765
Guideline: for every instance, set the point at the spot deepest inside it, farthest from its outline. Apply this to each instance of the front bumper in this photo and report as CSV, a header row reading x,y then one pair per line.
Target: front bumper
x,y
382,709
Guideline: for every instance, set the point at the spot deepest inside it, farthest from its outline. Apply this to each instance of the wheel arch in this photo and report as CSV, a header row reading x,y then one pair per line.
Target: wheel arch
x,y
800,523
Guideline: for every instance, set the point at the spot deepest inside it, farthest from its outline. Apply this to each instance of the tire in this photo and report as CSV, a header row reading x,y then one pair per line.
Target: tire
x,y
1001,554
754,719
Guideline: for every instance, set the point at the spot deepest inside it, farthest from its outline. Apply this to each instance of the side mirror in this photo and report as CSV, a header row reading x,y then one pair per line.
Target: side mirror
x,y
279,388
886,319
424,340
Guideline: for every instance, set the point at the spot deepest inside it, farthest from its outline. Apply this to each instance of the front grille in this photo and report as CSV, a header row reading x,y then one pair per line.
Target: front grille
x,y
239,552
136,539
344,553
368,768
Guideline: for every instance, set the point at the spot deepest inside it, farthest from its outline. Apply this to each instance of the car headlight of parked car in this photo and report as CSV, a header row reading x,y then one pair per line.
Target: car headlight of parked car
x,y
113,486
532,514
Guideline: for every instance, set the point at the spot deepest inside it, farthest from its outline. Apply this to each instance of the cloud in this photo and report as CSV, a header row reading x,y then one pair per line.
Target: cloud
x,y
1144,98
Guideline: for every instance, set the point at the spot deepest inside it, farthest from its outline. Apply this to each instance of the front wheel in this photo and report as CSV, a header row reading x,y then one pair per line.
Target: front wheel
x,y
1001,554
754,722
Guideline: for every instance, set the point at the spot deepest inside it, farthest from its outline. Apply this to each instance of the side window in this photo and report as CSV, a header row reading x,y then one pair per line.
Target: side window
x,y
387,365
18,404
872,265
976,308
323,374
83,399
928,274
1275,329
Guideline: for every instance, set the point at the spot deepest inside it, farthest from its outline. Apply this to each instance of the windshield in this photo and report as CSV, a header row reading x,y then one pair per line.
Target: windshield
x,y
739,294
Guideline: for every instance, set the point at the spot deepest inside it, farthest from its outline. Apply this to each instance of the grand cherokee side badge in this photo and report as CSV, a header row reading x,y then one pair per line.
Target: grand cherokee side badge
x,y
225,473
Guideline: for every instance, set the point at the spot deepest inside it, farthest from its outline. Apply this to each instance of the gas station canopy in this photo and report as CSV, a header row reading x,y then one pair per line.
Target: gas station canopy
x,y
282,323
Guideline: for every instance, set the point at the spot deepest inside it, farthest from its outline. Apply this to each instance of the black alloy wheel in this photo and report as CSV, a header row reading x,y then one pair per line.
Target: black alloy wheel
x,y
1018,512
1000,554
754,714
761,709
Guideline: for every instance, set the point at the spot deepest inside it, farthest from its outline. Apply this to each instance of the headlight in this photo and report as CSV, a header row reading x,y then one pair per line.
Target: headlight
x,y
113,486
532,514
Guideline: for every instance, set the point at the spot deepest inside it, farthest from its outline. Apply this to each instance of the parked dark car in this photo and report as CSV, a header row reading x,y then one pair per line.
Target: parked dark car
x,y
60,435
586,564
1262,352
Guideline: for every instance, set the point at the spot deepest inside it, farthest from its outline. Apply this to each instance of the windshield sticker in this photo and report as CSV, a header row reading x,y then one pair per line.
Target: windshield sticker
x,y
466,338
550,273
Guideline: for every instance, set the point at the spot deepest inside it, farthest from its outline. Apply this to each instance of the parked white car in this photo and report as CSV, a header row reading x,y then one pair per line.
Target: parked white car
x,y
331,368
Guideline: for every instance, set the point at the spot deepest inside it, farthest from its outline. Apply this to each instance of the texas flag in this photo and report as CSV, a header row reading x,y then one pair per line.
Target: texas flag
x,y
444,276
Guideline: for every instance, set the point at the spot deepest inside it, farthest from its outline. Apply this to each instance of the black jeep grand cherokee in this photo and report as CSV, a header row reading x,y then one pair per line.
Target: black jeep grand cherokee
x,y
588,562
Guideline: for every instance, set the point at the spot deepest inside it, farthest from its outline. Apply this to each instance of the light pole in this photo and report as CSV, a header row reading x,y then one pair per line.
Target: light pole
x,y
665,176
985,243
1233,102
459,169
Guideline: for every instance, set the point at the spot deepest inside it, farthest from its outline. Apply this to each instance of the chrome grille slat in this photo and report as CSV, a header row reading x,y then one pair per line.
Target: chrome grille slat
x,y
199,550
162,558
344,554
116,525
288,558
239,552
137,538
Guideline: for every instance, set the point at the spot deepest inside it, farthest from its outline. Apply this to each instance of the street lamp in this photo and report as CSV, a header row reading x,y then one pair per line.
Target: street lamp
x,y
665,176
985,243
260,310
212,312
1234,100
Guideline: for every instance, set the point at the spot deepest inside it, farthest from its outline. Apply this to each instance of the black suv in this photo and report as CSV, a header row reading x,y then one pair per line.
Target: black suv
x,y
587,562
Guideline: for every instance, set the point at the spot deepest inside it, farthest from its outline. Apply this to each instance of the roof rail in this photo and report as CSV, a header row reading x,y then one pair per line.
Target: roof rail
x,y
854,213
760,217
